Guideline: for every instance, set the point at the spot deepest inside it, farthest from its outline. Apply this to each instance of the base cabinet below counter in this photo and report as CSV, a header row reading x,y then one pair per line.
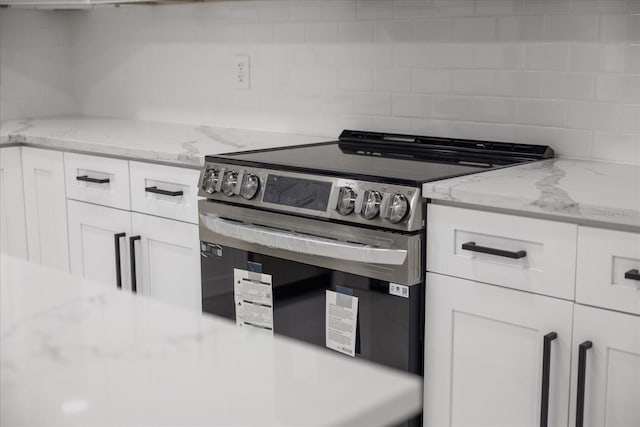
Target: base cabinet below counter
x,y
13,229
485,351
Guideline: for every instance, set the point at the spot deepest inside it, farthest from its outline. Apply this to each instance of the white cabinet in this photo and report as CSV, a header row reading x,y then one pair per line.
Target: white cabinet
x,y
484,343
45,207
612,369
97,235
159,257
13,230
167,260
484,348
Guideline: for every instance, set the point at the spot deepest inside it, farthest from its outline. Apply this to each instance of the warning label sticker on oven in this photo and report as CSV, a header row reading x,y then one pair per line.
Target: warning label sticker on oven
x,y
341,322
253,296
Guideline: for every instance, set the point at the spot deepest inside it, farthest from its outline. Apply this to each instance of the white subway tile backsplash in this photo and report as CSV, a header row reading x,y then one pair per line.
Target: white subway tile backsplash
x,y
616,147
374,9
599,6
453,107
409,105
632,62
430,81
546,56
596,57
360,79
472,82
433,30
538,71
630,121
412,55
321,32
373,103
568,85
518,83
593,115
392,80
620,28
498,110
393,31
618,88
573,28
476,29
522,28
498,56
356,32
431,127
452,55
546,7
541,112
499,7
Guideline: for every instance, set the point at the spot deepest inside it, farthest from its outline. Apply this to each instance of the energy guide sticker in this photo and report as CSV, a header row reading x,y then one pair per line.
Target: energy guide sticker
x,y
253,296
341,322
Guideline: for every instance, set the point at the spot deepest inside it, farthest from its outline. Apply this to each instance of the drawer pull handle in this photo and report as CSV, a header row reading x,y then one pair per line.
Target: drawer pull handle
x,y
163,192
546,374
582,373
86,178
116,238
632,274
471,246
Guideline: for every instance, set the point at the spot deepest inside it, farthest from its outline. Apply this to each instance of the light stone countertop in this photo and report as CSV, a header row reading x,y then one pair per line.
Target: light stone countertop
x,y
169,143
585,192
76,353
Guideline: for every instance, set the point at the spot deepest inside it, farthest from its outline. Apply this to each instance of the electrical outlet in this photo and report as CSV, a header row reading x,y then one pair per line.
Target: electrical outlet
x,y
242,72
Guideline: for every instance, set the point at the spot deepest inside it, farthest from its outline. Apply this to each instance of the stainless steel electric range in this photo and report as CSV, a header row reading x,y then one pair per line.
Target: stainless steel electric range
x,y
325,243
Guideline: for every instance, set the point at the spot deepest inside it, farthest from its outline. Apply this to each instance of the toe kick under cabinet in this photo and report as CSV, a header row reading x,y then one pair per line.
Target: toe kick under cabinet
x,y
134,225
530,322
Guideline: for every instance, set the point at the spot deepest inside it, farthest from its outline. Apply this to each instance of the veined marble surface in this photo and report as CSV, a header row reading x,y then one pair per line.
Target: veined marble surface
x,y
580,190
152,141
76,353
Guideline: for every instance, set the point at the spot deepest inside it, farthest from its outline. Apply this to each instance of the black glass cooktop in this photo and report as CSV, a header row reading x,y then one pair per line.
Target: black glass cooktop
x,y
390,158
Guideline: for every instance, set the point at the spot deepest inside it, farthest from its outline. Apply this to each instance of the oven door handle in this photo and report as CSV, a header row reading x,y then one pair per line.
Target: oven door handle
x,y
303,243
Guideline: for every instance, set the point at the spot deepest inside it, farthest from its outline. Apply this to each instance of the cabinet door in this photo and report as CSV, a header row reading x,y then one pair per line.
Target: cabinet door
x,y
484,355
13,231
45,207
612,368
168,260
95,237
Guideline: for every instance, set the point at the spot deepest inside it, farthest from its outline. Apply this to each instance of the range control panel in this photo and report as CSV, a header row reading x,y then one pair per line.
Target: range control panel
x,y
385,205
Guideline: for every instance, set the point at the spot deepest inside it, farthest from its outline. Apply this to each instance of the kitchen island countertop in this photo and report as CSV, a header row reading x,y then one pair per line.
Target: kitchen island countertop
x,y
76,353
580,191
170,143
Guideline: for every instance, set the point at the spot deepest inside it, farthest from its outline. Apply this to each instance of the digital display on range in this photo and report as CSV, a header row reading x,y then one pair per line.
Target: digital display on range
x,y
297,192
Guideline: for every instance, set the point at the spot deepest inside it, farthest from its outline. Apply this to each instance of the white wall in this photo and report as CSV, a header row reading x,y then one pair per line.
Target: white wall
x,y
560,72
35,64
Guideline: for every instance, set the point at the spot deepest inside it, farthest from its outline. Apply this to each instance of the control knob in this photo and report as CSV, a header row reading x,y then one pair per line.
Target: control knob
x,y
346,201
250,186
210,181
229,183
371,204
398,208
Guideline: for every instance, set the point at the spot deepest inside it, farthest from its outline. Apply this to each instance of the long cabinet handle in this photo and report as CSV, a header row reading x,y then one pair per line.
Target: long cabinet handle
x,y
116,238
546,374
632,274
132,259
582,371
471,246
86,178
163,192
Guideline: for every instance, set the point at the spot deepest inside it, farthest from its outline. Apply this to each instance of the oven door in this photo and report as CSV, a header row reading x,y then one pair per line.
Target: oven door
x,y
305,258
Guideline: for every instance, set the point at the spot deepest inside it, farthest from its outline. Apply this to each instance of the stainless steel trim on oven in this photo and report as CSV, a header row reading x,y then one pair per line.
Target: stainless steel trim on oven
x,y
380,254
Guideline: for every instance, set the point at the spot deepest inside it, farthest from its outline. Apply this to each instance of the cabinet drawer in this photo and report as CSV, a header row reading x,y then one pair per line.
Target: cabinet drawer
x,y
527,254
99,180
605,257
165,191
